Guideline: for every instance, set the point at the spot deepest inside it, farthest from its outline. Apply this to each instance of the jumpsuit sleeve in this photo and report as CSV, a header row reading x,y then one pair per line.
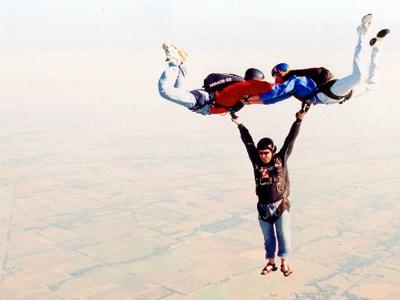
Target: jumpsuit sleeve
x,y
279,92
319,75
303,72
287,147
248,143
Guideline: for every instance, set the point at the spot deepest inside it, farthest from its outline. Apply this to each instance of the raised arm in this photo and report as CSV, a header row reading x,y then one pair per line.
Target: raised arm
x,y
287,147
246,139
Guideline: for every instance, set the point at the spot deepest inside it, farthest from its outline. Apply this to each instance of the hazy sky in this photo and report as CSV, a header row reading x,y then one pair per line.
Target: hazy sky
x,y
72,50
127,25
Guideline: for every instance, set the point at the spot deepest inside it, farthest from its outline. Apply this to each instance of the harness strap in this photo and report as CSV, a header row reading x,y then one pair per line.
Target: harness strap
x,y
268,180
347,97
326,89
232,110
201,99
277,213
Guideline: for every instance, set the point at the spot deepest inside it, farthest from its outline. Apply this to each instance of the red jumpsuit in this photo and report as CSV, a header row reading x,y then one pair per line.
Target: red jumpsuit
x,y
233,93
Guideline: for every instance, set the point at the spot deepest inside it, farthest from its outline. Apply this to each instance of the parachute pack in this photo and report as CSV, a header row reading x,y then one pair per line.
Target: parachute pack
x,y
217,81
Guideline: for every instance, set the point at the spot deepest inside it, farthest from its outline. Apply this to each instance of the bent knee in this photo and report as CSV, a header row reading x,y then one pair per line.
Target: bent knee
x,y
357,76
163,91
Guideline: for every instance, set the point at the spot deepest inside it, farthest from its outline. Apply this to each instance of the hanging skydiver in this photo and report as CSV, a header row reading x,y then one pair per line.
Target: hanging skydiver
x,y
221,93
273,190
317,85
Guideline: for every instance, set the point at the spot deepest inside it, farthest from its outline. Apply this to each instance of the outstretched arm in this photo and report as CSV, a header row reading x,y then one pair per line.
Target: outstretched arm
x,y
246,139
278,93
291,137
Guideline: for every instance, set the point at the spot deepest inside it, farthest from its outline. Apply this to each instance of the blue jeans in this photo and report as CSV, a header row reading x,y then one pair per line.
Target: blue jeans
x,y
170,88
344,85
282,229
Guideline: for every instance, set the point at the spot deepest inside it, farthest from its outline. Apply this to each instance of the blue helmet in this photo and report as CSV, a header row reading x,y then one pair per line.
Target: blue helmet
x,y
282,67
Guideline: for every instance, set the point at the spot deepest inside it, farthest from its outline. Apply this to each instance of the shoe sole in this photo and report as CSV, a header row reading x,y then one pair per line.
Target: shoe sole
x,y
382,33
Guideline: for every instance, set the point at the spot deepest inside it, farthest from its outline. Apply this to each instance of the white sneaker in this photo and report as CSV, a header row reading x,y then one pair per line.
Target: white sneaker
x,y
174,54
184,55
365,24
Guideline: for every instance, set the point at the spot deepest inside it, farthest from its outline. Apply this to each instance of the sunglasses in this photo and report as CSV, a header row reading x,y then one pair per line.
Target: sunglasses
x,y
276,73
264,152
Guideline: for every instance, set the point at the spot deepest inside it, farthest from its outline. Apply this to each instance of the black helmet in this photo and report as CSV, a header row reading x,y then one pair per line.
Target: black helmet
x,y
266,143
253,73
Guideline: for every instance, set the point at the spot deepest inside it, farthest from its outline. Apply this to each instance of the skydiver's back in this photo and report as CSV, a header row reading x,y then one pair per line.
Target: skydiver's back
x,y
319,75
232,94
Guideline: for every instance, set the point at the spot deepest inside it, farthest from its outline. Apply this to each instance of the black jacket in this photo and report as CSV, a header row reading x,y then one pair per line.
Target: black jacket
x,y
271,179
324,80
319,75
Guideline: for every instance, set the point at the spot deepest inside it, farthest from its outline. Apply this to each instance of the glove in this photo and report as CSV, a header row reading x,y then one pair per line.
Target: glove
x,y
238,106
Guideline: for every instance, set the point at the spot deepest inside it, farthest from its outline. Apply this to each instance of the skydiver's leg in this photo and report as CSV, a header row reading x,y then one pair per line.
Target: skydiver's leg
x,y
269,239
169,86
284,241
283,235
373,66
344,85
181,76
376,44
171,81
